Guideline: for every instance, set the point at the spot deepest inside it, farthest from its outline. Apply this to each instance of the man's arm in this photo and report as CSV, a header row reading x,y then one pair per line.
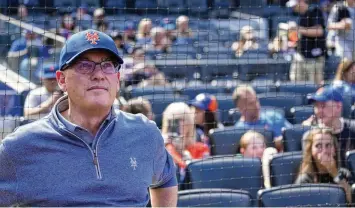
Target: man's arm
x,y
313,32
30,109
164,197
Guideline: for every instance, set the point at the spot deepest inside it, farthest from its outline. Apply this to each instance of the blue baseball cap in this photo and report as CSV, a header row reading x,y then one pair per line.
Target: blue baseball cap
x,y
47,71
325,94
205,102
85,41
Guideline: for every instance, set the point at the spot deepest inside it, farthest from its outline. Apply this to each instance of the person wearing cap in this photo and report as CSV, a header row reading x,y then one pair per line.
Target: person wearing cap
x,y
308,62
99,20
40,101
328,108
205,107
341,23
84,153
246,100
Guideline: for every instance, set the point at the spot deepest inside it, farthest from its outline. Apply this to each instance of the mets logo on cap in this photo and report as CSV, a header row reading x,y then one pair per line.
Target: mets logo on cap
x,y
92,37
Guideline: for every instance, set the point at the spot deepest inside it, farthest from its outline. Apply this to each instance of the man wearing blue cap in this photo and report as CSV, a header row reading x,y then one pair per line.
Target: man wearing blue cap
x,y
328,108
84,153
40,101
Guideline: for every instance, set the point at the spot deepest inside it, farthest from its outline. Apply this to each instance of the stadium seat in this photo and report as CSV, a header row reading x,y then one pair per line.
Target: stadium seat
x,y
303,88
301,113
214,198
282,100
8,124
175,6
160,102
292,137
132,92
192,91
188,72
284,168
230,172
216,71
320,195
263,86
234,114
65,5
225,103
226,141
331,65
146,4
197,7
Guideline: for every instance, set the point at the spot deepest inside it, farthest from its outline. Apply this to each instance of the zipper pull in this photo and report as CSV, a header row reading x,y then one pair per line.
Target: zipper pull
x,y
96,162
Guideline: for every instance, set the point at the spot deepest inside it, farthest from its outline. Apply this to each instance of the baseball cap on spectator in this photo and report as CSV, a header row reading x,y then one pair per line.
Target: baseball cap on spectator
x,y
85,41
47,71
292,3
204,101
167,24
324,94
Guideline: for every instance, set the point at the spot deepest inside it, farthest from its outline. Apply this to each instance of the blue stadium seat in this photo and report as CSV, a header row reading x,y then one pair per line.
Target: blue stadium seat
x,y
149,90
216,71
174,6
160,102
301,113
214,198
263,86
116,3
183,49
226,141
10,103
292,137
230,172
281,100
221,4
331,65
303,88
284,168
192,91
225,103
188,72
313,195
196,7
65,5
30,3
234,114
146,4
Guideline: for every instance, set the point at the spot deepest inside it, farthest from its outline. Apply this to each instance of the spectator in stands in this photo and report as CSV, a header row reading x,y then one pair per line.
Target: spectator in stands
x,y
345,78
169,27
182,27
82,15
120,43
160,42
22,13
328,108
248,104
205,108
178,130
143,35
67,26
129,34
247,41
253,144
39,101
308,62
320,163
341,21
139,105
100,20
143,74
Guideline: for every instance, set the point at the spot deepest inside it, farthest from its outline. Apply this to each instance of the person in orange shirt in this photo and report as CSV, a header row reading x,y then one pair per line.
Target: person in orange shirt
x,y
178,129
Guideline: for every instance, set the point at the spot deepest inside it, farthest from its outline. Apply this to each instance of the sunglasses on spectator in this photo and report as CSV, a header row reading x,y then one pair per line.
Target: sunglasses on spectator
x,y
88,67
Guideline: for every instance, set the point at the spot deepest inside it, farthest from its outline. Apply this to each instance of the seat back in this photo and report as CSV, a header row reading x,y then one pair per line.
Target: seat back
x,y
281,100
292,137
284,167
192,91
160,102
303,88
225,103
231,172
148,90
214,198
301,113
350,161
324,195
226,141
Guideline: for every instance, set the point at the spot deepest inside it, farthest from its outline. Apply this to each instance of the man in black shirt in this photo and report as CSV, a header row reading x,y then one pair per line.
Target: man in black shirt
x,y
328,113
308,62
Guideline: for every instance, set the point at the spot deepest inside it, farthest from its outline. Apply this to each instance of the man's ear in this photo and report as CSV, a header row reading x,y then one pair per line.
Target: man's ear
x,y
242,150
118,76
60,76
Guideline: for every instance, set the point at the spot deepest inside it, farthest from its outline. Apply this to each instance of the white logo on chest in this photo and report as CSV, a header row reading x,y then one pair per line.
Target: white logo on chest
x,y
133,162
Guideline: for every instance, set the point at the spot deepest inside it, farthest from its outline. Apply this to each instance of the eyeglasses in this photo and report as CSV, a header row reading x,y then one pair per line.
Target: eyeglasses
x,y
87,67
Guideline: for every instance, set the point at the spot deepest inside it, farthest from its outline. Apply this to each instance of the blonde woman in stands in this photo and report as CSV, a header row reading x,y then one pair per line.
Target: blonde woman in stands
x,y
321,161
178,129
247,41
144,28
252,144
160,40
